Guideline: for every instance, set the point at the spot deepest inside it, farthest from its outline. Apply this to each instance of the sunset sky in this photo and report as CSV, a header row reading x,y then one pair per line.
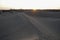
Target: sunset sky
x,y
30,4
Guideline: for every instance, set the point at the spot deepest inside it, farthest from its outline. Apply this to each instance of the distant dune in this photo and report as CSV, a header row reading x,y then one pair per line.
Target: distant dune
x,y
38,13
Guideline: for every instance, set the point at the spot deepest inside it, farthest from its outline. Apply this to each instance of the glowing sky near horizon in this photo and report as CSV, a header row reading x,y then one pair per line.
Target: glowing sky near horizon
x,y
30,4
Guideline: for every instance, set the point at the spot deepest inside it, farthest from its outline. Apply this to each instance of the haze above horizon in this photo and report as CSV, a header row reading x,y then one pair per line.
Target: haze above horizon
x,y
29,4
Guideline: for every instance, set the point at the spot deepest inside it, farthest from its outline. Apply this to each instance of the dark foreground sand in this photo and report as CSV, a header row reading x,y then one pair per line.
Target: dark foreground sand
x,y
20,26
